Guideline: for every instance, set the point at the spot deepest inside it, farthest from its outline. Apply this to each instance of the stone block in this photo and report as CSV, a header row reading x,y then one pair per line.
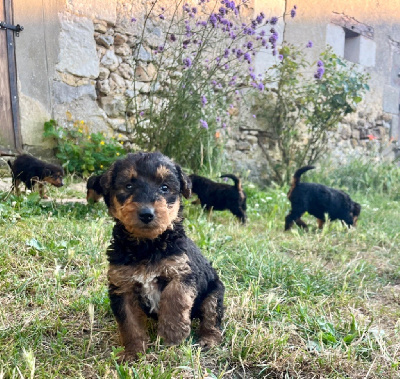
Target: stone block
x,y
355,134
110,60
145,74
335,37
104,73
114,106
100,26
77,54
103,87
118,124
243,146
125,70
395,128
118,80
120,39
367,52
64,93
104,40
345,131
143,54
391,99
123,50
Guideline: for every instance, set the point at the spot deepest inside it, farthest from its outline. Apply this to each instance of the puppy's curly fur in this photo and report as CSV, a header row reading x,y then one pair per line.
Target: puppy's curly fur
x,y
32,171
155,269
317,200
221,196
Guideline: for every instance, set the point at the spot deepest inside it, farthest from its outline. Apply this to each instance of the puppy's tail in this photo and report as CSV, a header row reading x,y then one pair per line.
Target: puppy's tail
x,y
296,178
238,183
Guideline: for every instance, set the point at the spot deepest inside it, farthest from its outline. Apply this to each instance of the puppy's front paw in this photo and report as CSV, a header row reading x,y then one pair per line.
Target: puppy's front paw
x,y
173,333
207,341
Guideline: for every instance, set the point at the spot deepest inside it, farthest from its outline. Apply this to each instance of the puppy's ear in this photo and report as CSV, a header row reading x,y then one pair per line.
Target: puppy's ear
x,y
186,184
105,180
46,172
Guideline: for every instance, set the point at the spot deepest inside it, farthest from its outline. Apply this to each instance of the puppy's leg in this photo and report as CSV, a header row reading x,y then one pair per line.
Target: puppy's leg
x,y
42,188
15,187
320,223
301,223
210,211
174,312
293,216
211,313
131,323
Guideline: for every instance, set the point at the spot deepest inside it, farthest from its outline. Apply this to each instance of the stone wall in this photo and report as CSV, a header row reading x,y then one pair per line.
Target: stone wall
x,y
87,71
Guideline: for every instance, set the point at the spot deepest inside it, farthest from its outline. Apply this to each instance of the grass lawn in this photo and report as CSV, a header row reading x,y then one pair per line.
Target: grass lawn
x,y
316,304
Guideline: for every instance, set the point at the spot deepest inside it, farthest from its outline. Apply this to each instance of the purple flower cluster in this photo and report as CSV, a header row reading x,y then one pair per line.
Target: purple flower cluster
x,y
293,11
273,20
203,124
187,62
320,70
203,100
309,45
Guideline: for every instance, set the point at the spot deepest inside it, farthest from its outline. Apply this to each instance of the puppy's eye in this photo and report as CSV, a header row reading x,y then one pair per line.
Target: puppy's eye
x,y
164,188
129,186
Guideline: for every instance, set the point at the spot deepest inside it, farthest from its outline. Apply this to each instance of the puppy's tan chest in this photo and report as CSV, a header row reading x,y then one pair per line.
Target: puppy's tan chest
x,y
148,280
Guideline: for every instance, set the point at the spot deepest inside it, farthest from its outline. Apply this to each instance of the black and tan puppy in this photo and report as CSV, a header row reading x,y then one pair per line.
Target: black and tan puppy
x,y
317,200
94,191
220,196
155,270
32,171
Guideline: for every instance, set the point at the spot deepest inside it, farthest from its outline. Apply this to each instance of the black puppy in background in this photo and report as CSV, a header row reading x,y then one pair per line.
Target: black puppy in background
x,y
317,200
32,171
221,196
94,191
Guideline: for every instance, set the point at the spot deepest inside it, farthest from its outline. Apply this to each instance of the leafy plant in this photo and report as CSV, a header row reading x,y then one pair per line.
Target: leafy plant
x,y
82,152
299,112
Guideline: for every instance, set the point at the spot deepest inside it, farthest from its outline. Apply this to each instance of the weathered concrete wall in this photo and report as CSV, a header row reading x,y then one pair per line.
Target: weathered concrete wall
x,y
378,54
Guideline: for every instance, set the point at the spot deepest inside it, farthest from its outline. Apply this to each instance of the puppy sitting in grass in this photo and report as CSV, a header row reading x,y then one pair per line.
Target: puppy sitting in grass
x,y
155,270
317,200
32,171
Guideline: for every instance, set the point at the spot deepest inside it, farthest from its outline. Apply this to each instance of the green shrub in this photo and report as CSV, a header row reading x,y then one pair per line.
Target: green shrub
x,y
81,152
300,111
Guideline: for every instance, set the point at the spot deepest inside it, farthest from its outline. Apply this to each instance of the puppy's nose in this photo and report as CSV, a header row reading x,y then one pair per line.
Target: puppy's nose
x,y
146,215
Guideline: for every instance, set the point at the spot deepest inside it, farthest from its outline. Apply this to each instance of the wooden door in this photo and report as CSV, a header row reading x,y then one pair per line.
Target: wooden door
x,y
10,140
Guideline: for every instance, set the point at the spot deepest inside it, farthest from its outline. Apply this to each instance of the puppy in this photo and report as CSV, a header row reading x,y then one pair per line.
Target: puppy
x,y
317,199
221,196
32,171
155,270
94,191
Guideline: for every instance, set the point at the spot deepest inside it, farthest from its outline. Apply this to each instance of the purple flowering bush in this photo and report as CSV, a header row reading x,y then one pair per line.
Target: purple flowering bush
x,y
203,60
301,110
